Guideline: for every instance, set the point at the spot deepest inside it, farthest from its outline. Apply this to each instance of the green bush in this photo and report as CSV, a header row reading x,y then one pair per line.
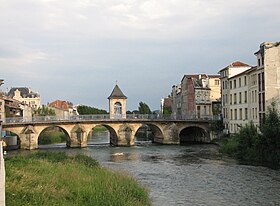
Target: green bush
x,y
262,145
229,146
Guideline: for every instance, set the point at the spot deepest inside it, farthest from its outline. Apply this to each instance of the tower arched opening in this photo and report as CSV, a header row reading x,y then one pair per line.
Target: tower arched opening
x,y
117,110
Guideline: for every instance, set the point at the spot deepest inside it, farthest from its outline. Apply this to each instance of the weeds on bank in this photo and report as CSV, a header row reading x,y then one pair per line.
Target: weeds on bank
x,y
48,178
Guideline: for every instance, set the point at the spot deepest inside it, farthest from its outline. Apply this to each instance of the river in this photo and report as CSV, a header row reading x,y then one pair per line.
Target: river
x,y
189,175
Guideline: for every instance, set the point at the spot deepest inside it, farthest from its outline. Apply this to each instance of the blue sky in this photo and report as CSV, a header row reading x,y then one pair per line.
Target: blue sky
x,y
77,50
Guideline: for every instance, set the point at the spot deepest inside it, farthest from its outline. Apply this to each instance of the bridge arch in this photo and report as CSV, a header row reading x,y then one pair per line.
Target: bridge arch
x,y
153,132
194,134
12,139
113,137
54,136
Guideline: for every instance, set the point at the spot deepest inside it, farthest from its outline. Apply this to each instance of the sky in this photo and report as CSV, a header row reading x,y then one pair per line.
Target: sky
x,y
77,50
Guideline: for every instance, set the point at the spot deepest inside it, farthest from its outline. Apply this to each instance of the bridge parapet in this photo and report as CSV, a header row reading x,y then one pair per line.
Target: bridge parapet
x,y
106,117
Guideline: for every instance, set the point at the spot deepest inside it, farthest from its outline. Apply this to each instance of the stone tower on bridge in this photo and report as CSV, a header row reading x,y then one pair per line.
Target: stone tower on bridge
x,y
117,104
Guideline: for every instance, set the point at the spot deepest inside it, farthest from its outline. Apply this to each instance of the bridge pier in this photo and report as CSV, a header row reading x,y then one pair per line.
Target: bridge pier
x,y
78,137
29,138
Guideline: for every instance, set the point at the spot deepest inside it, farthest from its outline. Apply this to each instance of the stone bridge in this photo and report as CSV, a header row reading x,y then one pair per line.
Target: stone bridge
x,y
122,131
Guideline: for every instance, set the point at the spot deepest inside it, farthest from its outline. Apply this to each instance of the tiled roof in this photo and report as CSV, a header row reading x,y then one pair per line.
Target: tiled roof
x,y
117,93
236,64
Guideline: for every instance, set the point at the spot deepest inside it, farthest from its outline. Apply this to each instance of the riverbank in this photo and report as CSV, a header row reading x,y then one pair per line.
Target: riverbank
x,y
54,178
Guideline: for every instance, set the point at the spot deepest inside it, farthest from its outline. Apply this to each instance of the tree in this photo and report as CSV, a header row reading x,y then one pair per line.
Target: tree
x,y
84,110
269,144
44,111
144,108
166,110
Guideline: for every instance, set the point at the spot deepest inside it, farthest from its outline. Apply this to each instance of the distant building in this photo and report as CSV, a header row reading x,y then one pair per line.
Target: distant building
x,y
63,108
195,96
166,105
230,88
10,108
25,95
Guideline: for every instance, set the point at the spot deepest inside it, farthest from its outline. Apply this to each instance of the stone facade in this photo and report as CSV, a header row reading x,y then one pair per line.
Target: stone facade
x,y
268,58
194,97
228,83
248,91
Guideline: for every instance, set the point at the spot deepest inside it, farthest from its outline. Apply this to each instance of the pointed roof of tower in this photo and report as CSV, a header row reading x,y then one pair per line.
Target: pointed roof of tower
x,y
117,93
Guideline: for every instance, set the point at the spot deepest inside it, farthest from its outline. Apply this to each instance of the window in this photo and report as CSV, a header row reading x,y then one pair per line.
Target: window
x,y
240,113
259,81
230,84
217,82
245,97
235,114
226,83
234,83
234,98
239,82
226,99
231,114
245,81
223,85
259,62
230,100
263,101
255,95
240,97
246,113
262,81
260,103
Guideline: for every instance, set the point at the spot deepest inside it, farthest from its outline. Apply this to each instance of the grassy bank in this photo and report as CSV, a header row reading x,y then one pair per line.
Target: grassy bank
x,y
46,178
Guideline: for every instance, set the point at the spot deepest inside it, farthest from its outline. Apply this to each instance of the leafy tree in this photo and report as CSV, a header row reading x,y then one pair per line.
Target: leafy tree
x,y
254,145
84,110
167,110
269,144
44,111
143,108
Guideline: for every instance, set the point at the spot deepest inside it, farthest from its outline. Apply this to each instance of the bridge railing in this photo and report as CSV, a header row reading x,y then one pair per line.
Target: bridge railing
x,y
107,117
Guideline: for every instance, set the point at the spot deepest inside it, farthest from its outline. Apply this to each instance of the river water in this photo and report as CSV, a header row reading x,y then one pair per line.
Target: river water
x,y
190,174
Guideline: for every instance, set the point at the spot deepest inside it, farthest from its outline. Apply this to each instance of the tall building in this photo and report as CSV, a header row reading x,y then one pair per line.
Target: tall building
x,y
194,97
25,95
229,97
248,91
268,58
